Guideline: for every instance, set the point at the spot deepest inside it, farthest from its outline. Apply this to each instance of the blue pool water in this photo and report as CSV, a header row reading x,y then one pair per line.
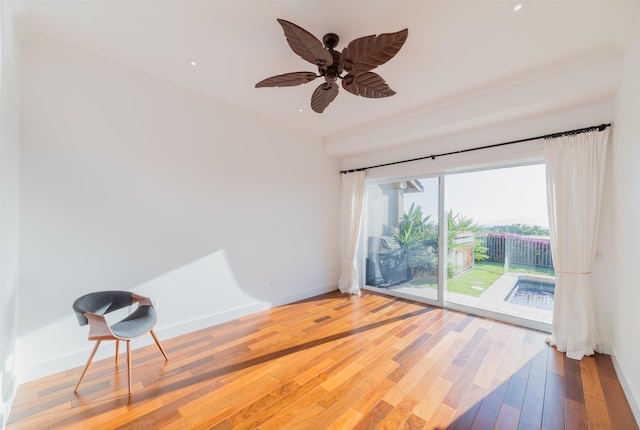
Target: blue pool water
x,y
535,294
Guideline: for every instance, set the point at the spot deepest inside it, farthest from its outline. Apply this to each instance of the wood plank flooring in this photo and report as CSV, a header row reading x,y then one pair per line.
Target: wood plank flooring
x,y
338,362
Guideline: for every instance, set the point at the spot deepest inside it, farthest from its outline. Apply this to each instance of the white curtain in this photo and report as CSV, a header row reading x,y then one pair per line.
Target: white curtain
x,y
352,205
575,174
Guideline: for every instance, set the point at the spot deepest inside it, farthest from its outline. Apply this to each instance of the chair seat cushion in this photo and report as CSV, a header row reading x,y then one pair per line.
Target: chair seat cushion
x,y
136,324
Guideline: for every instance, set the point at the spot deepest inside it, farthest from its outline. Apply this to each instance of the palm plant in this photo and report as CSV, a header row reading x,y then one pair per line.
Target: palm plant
x,y
416,233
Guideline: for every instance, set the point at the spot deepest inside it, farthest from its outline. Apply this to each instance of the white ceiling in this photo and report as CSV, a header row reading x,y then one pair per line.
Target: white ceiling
x,y
457,50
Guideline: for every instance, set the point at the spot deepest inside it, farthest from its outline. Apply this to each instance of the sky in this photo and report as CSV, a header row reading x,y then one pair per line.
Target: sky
x,y
515,195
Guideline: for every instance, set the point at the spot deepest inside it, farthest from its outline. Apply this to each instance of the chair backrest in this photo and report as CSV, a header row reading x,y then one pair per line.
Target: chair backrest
x,y
101,303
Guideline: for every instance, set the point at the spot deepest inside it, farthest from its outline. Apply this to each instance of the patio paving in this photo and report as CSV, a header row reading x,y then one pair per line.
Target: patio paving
x,y
493,299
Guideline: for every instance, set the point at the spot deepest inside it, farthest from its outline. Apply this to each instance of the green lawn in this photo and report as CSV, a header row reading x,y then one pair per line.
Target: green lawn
x,y
483,274
534,270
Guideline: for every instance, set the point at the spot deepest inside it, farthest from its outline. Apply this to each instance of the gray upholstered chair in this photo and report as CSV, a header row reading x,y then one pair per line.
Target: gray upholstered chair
x,y
91,309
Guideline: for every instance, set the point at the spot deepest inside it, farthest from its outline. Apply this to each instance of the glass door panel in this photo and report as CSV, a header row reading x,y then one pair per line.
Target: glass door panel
x,y
499,254
401,238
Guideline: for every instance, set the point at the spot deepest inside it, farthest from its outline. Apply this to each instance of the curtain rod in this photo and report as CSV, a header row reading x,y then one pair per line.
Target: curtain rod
x,y
600,127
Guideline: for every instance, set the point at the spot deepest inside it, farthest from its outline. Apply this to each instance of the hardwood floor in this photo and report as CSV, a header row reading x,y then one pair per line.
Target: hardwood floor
x,y
339,362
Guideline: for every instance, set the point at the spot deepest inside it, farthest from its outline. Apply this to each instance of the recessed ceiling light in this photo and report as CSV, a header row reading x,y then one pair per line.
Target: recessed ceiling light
x,y
516,7
193,63
300,110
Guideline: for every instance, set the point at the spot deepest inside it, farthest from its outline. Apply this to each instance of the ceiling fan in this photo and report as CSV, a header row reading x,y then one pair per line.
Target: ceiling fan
x,y
357,60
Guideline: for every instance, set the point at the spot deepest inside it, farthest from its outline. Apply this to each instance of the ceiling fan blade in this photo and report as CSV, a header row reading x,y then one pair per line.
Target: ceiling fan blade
x,y
287,80
323,95
306,44
366,53
368,84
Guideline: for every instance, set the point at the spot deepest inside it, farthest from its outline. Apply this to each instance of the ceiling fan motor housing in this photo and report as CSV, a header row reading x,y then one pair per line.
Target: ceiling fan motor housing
x,y
330,40
332,72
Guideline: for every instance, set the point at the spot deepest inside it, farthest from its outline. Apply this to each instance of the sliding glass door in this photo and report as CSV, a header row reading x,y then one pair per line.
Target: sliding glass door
x,y
490,255
402,238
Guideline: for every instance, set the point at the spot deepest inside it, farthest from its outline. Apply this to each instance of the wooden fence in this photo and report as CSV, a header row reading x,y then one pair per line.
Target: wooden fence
x,y
533,251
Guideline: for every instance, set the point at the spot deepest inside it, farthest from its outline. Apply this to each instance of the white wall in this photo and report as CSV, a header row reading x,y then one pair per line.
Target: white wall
x,y
128,182
625,223
8,206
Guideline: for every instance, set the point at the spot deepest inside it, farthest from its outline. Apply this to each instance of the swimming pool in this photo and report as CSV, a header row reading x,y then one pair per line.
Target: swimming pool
x,y
532,293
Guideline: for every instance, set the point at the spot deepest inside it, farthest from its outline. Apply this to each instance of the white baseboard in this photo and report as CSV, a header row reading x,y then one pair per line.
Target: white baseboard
x,y
231,314
629,392
79,358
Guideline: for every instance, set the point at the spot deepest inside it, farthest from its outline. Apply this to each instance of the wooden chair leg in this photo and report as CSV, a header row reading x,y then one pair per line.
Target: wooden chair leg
x,y
129,363
117,350
158,343
86,367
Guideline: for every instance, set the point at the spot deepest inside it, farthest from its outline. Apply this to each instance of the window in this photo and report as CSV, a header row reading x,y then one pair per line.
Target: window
x,y
491,256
